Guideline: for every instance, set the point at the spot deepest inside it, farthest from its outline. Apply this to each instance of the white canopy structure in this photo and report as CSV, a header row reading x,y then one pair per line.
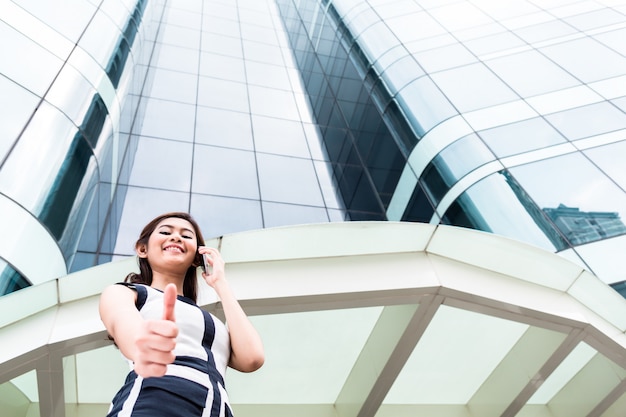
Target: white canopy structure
x,y
359,319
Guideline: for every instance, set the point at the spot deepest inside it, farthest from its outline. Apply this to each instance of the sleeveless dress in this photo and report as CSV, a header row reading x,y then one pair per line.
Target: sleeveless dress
x,y
194,384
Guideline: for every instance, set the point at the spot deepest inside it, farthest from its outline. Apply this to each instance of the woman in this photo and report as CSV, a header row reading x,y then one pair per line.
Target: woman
x,y
179,352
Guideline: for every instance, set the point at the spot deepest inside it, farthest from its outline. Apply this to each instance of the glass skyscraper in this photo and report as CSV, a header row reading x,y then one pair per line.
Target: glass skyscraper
x,y
506,117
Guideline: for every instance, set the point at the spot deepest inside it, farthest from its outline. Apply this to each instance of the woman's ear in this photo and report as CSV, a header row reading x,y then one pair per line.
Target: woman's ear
x,y
142,250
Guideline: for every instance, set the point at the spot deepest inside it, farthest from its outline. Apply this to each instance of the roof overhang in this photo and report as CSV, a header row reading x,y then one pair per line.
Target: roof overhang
x,y
358,319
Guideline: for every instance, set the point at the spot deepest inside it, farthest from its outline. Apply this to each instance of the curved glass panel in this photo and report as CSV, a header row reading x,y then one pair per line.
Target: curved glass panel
x,y
609,158
17,106
524,136
583,202
516,215
10,279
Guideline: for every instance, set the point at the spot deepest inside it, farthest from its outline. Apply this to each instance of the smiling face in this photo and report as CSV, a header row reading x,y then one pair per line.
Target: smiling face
x,y
171,247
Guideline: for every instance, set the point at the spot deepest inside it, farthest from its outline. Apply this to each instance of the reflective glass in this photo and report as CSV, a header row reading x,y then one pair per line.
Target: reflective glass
x,y
186,18
228,95
16,107
614,39
445,57
278,214
181,36
218,216
273,103
261,52
288,180
267,75
224,128
224,67
580,57
162,164
459,16
521,137
258,34
279,136
544,31
584,202
168,120
596,19
376,40
226,172
610,159
225,27
588,121
472,96
220,44
36,68
401,72
178,59
531,73
101,39
173,85
515,216
494,43
45,157
69,18
424,105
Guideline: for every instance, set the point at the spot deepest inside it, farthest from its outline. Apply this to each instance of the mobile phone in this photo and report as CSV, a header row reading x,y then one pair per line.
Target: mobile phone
x,y
205,265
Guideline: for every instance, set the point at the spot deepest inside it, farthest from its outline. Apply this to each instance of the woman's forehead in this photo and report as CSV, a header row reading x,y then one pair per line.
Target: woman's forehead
x,y
176,223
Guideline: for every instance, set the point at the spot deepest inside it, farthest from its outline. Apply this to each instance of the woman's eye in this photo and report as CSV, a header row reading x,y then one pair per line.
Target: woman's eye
x,y
164,232
188,237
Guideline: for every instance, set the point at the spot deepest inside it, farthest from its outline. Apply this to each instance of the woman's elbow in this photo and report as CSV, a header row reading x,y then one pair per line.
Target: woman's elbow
x,y
249,364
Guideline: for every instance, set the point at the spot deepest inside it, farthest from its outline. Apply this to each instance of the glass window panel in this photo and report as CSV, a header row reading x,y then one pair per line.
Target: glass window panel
x,y
544,31
226,172
177,59
468,96
140,206
531,73
221,10
376,40
218,25
16,107
224,67
267,75
168,120
151,160
220,44
221,94
288,180
401,72
278,136
388,10
44,145
445,57
459,16
580,57
260,52
101,39
521,137
596,19
588,121
413,26
180,36
494,43
515,216
258,34
584,202
36,67
621,103
224,128
173,85
277,214
186,18
614,39
218,216
610,159
273,103
424,105
69,17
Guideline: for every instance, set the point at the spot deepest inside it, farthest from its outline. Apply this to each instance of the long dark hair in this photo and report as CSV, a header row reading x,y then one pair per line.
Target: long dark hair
x,y
190,284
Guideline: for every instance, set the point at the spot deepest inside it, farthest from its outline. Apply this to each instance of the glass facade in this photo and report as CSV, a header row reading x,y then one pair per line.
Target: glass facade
x,y
255,114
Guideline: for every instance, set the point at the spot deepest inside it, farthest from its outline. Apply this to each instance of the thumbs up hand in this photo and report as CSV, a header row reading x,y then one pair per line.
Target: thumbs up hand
x,y
156,339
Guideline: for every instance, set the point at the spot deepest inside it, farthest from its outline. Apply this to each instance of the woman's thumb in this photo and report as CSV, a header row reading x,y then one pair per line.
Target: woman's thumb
x,y
169,299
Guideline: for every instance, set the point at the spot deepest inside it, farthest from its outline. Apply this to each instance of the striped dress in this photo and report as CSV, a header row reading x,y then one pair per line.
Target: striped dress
x,y
194,384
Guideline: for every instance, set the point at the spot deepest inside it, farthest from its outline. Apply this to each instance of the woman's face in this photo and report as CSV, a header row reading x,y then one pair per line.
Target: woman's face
x,y
172,245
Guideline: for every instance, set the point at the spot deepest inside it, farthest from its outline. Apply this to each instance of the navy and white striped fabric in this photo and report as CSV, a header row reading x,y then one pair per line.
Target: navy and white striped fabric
x,y
194,384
